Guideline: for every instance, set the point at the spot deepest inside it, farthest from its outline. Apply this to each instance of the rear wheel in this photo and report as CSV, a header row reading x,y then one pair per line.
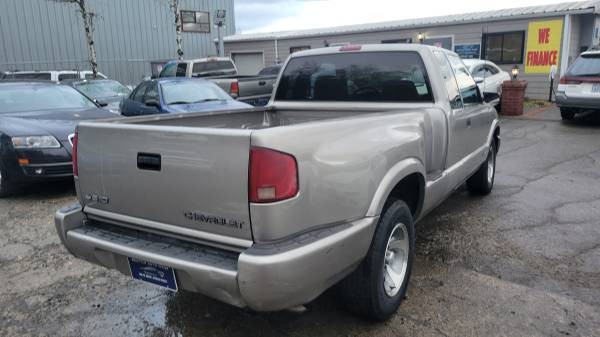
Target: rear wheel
x,y
482,182
378,286
567,114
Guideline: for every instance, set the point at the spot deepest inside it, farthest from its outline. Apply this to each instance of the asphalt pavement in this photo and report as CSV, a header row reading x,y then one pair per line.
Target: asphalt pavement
x,y
523,261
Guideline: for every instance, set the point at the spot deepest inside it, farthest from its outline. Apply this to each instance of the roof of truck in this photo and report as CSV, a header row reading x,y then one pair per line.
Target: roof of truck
x,y
369,48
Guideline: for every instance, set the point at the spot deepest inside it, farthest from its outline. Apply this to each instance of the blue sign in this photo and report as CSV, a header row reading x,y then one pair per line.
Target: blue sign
x,y
153,273
468,51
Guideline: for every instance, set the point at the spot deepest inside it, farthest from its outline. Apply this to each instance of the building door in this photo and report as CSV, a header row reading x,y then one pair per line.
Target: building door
x,y
248,63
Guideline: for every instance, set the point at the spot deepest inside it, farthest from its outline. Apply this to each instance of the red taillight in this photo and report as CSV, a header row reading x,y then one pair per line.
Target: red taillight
x,y
568,80
273,175
234,89
74,155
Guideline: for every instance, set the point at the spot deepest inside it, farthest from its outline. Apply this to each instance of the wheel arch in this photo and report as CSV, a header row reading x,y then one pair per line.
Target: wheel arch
x,y
401,182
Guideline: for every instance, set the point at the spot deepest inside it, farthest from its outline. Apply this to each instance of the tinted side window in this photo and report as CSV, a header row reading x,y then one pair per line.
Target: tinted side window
x,y
181,67
466,83
151,93
359,77
168,70
449,80
138,94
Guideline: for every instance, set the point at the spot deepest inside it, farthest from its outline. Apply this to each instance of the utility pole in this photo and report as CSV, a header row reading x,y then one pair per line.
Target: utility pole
x,y
220,23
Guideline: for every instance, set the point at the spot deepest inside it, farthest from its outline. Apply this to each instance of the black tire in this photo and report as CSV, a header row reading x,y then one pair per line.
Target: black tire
x,y
6,187
363,292
567,114
482,182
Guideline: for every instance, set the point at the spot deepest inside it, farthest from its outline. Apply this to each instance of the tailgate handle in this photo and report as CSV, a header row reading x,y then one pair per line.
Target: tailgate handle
x,y
262,82
148,161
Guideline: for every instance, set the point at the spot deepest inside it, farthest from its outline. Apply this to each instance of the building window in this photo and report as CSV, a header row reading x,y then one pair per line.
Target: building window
x,y
504,48
298,48
193,21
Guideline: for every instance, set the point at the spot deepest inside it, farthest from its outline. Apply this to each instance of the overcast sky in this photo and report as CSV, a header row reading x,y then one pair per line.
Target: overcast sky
x,y
252,16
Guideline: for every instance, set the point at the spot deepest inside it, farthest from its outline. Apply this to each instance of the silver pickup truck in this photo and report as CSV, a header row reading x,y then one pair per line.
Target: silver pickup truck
x,y
251,89
267,208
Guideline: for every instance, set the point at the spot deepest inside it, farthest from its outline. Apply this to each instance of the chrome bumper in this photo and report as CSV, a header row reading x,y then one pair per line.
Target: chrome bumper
x,y
265,277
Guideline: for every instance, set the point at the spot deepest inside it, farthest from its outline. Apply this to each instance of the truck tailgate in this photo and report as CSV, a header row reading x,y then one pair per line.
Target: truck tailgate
x,y
189,178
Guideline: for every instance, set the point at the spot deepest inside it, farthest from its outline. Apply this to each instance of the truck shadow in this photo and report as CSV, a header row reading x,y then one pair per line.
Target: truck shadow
x,y
44,190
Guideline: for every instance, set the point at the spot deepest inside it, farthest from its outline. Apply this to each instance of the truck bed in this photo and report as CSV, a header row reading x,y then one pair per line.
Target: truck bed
x,y
251,119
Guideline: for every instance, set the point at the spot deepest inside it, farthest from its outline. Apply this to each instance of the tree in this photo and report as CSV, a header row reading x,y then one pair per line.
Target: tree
x,y
88,25
174,4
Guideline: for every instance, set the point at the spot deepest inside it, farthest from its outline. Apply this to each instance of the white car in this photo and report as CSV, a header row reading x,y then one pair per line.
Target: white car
x,y
579,89
488,75
52,75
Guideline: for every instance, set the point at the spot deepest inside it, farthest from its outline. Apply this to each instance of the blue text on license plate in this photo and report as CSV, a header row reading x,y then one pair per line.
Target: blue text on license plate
x,y
153,273
596,87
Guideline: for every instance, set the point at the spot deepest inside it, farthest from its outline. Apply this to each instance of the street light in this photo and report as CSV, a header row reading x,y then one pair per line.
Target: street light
x,y
220,23
515,72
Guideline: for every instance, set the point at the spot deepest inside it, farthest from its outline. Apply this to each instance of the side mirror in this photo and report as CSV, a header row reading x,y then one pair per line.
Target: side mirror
x,y
478,80
152,102
101,103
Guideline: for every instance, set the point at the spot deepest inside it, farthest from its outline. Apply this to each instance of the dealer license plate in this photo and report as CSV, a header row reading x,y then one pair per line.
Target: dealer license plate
x,y
153,273
596,87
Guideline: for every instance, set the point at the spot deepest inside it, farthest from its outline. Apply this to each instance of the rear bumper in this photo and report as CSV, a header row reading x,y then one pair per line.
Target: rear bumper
x,y
564,101
265,277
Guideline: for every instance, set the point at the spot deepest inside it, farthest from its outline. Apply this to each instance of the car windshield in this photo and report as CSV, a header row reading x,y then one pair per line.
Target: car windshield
x,y
22,98
393,77
187,92
585,65
101,89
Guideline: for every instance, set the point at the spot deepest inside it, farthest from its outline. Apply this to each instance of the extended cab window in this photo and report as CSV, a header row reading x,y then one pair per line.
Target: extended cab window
x,y
449,80
360,77
466,83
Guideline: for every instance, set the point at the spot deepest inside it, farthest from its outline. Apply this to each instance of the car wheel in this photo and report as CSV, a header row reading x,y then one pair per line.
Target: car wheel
x,y
5,187
378,286
482,182
567,114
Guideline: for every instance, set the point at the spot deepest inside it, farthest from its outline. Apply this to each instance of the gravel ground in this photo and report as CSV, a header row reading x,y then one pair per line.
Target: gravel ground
x,y
524,261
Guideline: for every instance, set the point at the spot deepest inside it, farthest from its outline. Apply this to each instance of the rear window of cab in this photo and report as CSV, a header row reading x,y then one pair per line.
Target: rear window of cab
x,y
397,76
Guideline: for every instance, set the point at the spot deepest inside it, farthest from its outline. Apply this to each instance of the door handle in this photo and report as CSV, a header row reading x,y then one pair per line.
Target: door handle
x,y
262,83
148,161
468,122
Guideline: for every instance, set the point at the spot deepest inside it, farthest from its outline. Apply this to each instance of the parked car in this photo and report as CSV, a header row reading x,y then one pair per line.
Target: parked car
x,y
37,123
107,93
174,95
579,89
255,90
51,75
268,208
489,78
